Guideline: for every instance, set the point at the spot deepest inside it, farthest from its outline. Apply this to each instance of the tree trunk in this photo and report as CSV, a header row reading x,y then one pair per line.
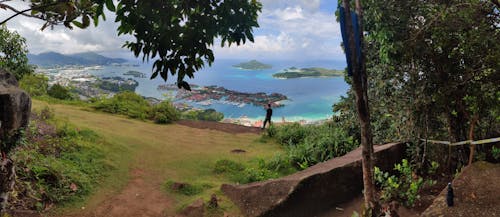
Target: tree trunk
x,y
471,138
360,86
7,180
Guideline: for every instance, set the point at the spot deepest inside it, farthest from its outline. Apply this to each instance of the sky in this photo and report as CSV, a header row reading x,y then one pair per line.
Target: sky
x,y
289,29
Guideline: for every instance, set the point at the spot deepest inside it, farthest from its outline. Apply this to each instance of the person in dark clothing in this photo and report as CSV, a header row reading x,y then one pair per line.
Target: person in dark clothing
x,y
450,195
269,113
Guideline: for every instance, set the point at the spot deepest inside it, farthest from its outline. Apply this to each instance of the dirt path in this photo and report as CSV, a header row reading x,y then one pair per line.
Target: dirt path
x,y
140,197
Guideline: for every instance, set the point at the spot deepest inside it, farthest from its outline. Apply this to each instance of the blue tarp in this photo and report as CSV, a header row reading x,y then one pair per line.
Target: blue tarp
x,y
345,39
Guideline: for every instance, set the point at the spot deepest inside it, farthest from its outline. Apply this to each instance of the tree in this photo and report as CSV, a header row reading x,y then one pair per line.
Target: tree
x,y
13,53
360,87
177,34
434,73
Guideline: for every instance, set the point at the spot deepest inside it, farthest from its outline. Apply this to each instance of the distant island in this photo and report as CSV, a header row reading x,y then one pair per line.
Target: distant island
x,y
136,74
253,65
82,59
294,72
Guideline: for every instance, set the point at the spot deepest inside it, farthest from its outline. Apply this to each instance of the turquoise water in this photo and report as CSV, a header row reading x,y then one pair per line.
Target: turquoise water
x,y
310,98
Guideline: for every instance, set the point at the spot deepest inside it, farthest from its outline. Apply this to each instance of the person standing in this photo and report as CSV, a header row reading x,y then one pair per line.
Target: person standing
x,y
269,113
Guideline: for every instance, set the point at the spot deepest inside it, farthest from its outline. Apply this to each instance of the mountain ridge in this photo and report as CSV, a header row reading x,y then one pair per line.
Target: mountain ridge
x,y
85,58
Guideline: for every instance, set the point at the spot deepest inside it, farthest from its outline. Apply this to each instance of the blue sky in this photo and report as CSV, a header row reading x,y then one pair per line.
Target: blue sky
x,y
289,29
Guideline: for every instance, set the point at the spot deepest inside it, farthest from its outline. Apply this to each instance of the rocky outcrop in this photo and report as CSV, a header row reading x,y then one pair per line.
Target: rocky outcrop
x,y
476,190
314,190
15,107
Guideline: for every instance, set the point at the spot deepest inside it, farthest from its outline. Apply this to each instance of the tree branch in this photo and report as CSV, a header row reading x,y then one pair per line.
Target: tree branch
x,y
496,2
17,12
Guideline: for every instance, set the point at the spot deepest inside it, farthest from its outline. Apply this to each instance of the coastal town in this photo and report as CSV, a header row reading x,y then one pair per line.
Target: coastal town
x,y
208,94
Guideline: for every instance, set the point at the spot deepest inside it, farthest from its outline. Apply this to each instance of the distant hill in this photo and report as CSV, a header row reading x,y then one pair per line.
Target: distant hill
x,y
253,65
87,58
314,72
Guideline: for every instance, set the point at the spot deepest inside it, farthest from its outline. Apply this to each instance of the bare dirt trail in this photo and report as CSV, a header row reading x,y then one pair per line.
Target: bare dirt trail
x,y
140,197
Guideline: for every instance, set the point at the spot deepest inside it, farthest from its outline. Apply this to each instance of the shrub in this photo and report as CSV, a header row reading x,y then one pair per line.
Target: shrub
x,y
496,152
309,145
187,189
240,173
59,92
35,84
125,103
403,188
203,115
164,113
60,167
227,166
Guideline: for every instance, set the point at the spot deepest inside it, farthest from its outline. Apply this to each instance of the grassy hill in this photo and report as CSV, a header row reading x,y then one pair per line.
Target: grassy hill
x,y
163,154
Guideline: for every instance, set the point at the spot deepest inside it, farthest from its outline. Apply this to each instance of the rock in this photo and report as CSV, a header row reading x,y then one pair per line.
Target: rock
x,y
15,108
314,190
238,151
480,180
214,202
15,105
177,186
196,209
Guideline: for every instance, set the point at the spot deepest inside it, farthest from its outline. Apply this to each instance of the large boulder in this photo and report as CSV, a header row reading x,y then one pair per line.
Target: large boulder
x,y
314,190
15,105
476,190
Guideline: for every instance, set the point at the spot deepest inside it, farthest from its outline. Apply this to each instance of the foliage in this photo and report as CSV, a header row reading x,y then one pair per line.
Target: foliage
x,y
61,165
187,189
59,92
125,103
13,53
178,35
432,67
240,173
34,84
164,112
496,152
403,187
203,115
309,145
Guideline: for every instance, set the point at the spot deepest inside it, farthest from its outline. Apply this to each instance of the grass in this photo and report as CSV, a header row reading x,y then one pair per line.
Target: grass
x,y
168,152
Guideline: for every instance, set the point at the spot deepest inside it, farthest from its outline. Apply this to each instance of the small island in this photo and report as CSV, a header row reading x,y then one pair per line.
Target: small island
x,y
253,65
313,72
136,74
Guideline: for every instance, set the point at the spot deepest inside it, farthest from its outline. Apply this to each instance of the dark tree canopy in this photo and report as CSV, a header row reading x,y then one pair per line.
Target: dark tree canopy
x,y
177,35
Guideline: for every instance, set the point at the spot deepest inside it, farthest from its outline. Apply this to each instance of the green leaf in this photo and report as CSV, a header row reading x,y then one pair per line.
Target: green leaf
x,y
110,5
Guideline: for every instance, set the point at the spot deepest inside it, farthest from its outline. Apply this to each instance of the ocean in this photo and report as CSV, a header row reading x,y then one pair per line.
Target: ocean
x,y
310,99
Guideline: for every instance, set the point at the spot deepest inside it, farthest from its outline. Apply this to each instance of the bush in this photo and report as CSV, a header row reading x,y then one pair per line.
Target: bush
x,y
403,188
240,173
203,115
59,92
125,103
35,84
496,152
309,145
57,167
164,113
187,189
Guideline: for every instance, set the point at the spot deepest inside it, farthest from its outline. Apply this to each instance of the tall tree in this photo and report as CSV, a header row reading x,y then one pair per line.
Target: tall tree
x,y
360,86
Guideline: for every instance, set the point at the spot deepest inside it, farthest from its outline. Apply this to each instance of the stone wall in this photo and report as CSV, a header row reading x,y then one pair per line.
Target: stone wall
x,y
314,190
